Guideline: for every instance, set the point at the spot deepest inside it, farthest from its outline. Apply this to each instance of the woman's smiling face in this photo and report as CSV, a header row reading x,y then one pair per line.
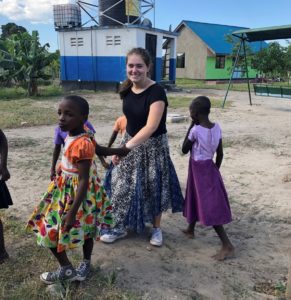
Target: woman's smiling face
x,y
136,68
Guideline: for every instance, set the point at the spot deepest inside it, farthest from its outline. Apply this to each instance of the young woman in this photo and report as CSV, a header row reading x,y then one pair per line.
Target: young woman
x,y
144,184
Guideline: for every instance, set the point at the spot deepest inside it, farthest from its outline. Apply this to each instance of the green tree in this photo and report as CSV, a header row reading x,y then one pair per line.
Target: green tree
x,y
235,42
271,61
11,28
25,61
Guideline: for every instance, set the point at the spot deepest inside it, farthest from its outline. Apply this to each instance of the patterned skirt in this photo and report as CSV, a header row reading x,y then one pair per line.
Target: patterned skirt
x,y
93,215
5,198
206,199
144,185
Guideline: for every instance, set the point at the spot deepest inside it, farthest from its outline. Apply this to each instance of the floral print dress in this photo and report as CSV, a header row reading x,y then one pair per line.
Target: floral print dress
x,y
94,212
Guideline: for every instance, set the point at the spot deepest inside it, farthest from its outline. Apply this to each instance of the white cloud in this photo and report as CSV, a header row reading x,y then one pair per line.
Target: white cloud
x,y
34,11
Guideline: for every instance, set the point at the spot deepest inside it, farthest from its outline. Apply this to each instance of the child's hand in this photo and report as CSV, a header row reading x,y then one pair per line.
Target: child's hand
x,y
68,222
4,174
53,174
124,151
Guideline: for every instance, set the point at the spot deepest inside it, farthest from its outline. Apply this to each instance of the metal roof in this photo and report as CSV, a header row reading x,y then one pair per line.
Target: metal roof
x,y
214,36
265,33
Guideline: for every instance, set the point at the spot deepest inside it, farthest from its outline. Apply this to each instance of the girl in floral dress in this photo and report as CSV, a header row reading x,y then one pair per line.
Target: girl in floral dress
x,y
75,207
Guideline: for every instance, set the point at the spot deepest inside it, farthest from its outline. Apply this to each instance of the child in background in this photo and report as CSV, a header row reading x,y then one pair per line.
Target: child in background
x,y
206,199
5,198
59,141
75,207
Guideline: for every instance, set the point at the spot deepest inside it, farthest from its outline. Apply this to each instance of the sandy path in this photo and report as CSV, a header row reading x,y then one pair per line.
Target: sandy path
x,y
257,174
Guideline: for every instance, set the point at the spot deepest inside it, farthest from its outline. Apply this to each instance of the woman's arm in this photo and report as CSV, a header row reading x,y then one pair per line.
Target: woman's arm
x,y
153,121
4,173
84,168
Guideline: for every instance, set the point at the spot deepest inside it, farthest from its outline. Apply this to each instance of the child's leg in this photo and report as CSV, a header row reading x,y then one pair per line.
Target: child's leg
x,y
83,270
88,248
3,254
61,257
227,249
189,231
65,272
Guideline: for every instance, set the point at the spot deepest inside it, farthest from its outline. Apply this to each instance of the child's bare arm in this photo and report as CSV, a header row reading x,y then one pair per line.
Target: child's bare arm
x,y
112,138
187,144
219,154
105,151
56,154
83,181
4,173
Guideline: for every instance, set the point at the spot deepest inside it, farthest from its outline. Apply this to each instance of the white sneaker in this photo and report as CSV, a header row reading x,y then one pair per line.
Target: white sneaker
x,y
113,235
157,237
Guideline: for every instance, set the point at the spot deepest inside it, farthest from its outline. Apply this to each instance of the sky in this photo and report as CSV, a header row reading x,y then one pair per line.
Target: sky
x,y
38,14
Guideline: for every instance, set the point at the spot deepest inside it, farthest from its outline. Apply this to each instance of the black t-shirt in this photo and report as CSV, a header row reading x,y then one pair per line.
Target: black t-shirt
x,y
136,108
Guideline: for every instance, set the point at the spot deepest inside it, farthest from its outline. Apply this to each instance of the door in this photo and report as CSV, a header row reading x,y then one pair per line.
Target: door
x,y
151,46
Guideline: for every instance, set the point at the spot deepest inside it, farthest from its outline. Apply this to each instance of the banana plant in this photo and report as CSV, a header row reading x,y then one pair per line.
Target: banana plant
x,y
23,60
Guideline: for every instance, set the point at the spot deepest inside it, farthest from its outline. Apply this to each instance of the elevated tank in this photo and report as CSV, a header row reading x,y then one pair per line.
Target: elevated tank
x,y
112,13
67,16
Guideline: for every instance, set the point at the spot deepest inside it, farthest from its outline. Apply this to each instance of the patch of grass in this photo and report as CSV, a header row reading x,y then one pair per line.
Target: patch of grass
x,y
26,112
184,102
19,276
14,93
201,84
277,289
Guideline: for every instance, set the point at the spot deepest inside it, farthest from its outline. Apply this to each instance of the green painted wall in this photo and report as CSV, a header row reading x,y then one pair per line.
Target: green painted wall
x,y
213,73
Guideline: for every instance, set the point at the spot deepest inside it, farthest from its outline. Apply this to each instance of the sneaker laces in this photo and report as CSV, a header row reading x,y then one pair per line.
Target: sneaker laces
x,y
82,266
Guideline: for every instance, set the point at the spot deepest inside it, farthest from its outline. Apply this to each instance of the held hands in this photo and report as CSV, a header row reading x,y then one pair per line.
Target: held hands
x,y
4,173
123,151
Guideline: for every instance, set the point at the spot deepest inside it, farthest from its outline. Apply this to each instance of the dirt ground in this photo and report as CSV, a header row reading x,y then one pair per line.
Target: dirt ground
x,y
257,174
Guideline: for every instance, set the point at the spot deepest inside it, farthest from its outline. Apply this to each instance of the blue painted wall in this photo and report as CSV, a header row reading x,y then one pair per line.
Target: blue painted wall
x,y
101,68
89,68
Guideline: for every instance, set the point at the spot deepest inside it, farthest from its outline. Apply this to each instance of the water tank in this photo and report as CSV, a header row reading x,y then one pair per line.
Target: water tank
x,y
67,16
116,12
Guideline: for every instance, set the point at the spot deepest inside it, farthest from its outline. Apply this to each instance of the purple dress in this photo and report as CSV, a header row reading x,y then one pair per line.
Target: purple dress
x,y
206,199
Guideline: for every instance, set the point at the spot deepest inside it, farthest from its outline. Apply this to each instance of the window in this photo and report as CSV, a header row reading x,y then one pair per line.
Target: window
x,y
220,62
113,40
77,42
180,60
109,40
117,40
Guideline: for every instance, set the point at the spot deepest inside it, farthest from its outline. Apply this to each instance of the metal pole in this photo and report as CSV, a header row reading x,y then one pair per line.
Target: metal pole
x,y
232,71
247,72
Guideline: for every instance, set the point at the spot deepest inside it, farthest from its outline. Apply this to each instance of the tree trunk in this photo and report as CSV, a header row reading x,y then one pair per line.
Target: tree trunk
x,y
32,88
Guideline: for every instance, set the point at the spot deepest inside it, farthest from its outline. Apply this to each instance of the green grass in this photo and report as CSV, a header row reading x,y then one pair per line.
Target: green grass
x,y
184,102
19,276
27,112
19,92
200,84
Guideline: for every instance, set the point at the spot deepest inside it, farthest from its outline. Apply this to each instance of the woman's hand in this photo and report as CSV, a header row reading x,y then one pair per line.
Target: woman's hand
x,y
116,159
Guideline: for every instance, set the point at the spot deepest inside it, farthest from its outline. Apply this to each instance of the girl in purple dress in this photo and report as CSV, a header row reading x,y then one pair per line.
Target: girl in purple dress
x,y
206,199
